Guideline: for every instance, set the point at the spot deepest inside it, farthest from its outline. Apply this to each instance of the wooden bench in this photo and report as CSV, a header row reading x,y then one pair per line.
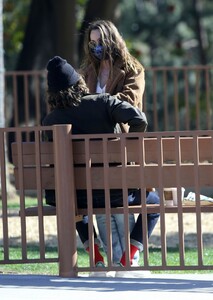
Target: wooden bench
x,y
107,162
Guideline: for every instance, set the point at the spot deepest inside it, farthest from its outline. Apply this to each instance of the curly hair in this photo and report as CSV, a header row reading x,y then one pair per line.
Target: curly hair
x,y
67,97
114,44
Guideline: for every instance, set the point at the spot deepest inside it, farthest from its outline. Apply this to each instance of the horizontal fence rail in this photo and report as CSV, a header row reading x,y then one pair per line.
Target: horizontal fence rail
x,y
182,159
176,98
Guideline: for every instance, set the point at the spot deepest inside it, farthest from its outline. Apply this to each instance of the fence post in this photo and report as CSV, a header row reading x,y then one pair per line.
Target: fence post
x,y
65,200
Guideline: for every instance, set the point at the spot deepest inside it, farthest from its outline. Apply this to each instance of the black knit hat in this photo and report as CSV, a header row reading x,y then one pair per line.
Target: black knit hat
x,y
61,75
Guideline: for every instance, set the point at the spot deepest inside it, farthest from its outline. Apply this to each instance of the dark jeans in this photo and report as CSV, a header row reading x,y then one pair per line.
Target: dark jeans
x,y
81,226
136,236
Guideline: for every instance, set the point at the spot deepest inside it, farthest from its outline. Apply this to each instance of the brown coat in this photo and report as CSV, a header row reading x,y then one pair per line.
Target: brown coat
x,y
126,86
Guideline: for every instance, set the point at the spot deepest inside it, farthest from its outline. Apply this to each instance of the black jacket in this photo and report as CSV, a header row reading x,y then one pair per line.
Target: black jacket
x,y
99,113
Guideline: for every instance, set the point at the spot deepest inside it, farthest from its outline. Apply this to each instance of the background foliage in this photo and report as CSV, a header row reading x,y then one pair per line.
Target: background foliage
x,y
158,32
169,32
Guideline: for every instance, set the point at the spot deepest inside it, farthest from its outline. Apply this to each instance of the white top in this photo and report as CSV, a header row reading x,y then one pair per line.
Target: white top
x,y
100,90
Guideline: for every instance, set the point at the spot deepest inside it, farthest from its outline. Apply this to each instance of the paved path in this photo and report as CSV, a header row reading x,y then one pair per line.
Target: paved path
x,y
156,286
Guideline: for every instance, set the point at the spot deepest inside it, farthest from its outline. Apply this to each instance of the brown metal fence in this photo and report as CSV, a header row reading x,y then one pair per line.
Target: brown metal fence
x,y
171,165
16,231
179,98
176,98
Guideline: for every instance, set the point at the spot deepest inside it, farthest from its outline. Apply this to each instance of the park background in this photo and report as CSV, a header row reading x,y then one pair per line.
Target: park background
x,y
165,35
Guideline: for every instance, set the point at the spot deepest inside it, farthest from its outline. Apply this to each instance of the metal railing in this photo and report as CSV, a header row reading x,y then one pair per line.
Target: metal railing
x,y
176,98
179,98
195,173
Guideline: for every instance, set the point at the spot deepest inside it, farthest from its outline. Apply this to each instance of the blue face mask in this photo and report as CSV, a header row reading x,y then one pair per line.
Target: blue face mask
x,y
98,51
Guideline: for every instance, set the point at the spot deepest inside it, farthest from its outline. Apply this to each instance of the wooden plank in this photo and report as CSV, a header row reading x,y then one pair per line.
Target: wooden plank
x,y
29,178
168,177
114,150
32,211
151,208
29,153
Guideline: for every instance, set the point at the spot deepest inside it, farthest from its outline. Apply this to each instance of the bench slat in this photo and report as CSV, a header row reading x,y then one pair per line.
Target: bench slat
x,y
114,151
33,211
51,210
151,177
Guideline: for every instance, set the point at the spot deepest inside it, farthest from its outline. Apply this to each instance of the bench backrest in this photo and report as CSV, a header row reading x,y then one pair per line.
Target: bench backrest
x,y
113,162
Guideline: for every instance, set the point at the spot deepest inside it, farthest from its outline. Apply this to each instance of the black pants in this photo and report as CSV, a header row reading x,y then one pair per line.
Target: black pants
x,y
81,226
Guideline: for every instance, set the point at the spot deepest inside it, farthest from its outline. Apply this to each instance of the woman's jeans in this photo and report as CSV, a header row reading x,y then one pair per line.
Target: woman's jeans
x,y
118,236
117,227
136,236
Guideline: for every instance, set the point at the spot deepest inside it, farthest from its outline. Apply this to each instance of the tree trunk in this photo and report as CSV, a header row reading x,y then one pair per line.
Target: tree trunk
x,y
50,31
2,116
199,31
9,187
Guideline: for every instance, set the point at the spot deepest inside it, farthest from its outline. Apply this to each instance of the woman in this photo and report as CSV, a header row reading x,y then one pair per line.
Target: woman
x,y
108,67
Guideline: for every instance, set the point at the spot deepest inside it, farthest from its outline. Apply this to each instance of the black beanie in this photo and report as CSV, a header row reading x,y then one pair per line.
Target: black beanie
x,y
61,75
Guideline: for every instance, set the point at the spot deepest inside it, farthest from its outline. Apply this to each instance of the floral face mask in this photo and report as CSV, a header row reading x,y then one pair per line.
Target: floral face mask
x,y
97,50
